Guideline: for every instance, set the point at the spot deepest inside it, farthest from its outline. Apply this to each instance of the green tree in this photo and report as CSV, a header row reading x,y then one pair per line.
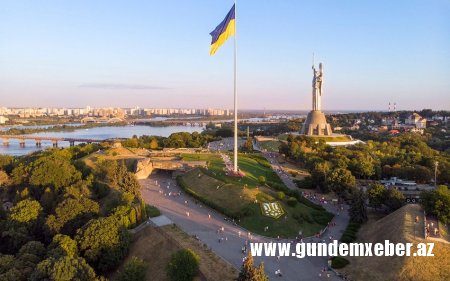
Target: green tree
x,y
319,175
20,267
6,163
103,242
130,184
251,273
117,175
26,212
13,274
442,204
33,247
376,195
62,245
183,265
260,273
262,180
48,200
20,174
280,195
134,270
55,171
362,165
4,178
71,214
247,146
437,202
154,143
340,180
64,268
11,269
14,237
358,210
394,199
125,215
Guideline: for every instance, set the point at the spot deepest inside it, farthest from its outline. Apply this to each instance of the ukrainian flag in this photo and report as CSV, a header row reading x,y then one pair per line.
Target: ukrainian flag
x,y
223,31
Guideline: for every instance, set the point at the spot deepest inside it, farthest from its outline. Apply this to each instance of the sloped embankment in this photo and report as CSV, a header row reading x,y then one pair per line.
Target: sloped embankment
x,y
399,227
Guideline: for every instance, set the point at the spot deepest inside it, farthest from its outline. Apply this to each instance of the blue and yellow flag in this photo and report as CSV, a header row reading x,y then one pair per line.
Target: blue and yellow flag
x,y
223,31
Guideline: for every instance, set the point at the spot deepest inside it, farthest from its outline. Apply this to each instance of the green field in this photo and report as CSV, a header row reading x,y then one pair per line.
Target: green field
x,y
283,137
333,138
253,165
235,197
272,146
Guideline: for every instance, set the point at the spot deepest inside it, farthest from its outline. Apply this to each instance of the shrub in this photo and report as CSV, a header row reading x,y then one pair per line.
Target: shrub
x,y
100,189
152,211
322,217
350,233
308,203
338,262
134,270
305,183
183,265
264,197
262,180
292,201
280,195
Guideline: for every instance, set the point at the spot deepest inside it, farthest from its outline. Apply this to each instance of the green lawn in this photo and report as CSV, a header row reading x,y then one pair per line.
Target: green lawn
x,y
333,138
237,201
288,226
283,137
273,146
253,165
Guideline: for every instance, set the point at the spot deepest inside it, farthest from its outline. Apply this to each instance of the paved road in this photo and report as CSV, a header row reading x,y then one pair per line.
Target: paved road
x,y
204,222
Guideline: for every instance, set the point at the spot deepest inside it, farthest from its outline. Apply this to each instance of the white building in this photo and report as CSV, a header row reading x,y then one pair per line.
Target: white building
x,y
3,119
416,120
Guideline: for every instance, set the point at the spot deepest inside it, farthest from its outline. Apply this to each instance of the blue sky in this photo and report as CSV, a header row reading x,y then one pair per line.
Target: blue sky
x,y
156,53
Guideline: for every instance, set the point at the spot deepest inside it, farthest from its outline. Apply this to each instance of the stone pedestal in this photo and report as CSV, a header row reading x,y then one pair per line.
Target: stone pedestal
x,y
316,124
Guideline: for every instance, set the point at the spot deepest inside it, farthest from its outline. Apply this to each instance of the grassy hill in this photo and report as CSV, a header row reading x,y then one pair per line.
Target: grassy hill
x,y
236,200
399,227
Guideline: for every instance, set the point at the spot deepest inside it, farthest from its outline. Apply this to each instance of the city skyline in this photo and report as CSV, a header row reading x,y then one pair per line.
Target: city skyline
x,y
156,54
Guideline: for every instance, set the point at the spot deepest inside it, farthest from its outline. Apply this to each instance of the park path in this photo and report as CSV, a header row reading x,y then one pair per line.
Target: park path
x,y
203,222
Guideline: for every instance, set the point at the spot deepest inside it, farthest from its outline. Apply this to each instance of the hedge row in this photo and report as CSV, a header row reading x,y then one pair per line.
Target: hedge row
x,y
322,217
338,262
152,211
350,233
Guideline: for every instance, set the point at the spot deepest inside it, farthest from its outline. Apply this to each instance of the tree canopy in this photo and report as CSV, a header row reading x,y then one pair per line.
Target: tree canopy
x,y
103,242
183,265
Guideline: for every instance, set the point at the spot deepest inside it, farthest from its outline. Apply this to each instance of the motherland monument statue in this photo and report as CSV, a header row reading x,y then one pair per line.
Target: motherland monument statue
x,y
316,123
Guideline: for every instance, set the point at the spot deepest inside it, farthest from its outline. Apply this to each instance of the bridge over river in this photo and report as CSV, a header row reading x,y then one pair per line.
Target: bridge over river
x,y
39,139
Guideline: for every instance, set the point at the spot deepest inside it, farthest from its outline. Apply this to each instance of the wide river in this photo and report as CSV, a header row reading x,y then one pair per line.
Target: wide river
x,y
99,133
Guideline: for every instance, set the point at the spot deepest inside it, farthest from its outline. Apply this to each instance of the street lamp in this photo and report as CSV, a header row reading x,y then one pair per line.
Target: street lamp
x,y
436,163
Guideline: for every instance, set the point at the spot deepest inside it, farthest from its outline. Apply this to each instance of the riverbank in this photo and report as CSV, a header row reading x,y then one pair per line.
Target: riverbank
x,y
95,133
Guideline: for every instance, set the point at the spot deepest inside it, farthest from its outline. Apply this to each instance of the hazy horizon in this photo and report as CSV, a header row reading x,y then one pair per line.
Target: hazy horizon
x,y
155,54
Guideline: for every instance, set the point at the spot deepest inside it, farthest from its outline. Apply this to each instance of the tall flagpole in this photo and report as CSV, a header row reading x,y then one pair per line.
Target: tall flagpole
x,y
235,167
